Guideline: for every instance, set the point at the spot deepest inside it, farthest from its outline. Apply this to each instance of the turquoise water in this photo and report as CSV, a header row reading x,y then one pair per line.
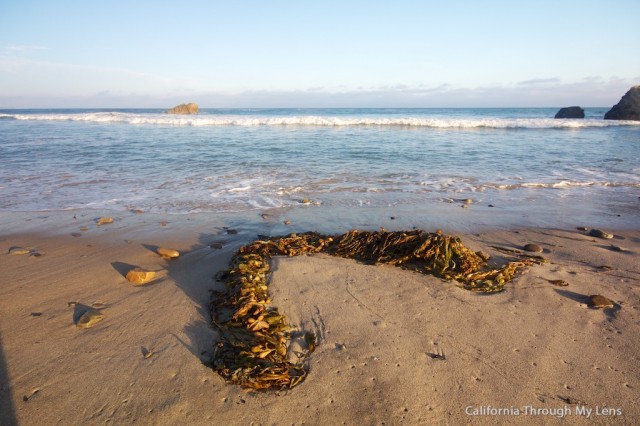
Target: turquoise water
x,y
255,159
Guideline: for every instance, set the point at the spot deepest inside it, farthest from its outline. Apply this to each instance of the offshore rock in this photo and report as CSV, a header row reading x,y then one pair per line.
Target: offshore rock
x,y
570,112
189,108
628,108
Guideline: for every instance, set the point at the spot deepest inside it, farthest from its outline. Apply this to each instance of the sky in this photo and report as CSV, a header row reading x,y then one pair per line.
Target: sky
x,y
240,53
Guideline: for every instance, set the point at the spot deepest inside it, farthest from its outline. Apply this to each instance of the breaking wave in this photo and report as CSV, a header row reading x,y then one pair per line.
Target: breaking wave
x,y
205,120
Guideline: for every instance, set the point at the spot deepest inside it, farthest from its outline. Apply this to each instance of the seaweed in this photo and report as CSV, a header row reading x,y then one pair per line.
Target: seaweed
x,y
252,350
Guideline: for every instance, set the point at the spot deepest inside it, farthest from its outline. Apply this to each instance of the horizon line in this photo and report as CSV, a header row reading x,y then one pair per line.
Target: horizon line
x,y
308,107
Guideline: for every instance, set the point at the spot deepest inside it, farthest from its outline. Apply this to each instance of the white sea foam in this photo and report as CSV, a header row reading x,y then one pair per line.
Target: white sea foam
x,y
240,189
154,161
321,121
565,184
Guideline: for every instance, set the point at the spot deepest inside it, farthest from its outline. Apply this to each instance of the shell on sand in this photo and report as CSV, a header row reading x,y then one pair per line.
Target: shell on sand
x,y
168,253
90,318
139,276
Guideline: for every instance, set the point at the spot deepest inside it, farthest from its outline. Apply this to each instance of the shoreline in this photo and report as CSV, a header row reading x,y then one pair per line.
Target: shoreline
x,y
534,344
455,216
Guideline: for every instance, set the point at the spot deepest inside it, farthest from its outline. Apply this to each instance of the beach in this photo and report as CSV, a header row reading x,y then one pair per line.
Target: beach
x,y
97,327
394,346
279,213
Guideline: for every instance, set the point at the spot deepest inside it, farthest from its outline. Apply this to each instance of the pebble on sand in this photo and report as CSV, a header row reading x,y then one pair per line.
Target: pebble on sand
x,y
90,318
533,248
104,220
600,234
598,301
168,253
484,256
19,250
139,276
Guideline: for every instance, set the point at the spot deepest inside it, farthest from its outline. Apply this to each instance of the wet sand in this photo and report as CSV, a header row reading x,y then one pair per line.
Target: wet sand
x,y
394,347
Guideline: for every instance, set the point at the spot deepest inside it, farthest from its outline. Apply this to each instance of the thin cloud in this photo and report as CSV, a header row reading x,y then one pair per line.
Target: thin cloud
x,y
539,81
604,93
23,48
23,68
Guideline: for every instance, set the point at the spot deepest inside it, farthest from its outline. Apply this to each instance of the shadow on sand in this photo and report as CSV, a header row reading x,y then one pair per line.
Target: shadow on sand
x,y
194,272
611,312
7,410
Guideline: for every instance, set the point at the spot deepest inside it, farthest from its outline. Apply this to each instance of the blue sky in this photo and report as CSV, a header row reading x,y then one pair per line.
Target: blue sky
x,y
317,54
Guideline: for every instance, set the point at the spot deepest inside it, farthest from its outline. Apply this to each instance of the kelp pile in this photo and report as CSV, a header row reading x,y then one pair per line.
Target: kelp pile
x,y
430,253
252,348
254,338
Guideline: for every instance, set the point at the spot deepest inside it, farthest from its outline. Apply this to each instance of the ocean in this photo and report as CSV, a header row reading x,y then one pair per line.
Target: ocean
x,y
514,166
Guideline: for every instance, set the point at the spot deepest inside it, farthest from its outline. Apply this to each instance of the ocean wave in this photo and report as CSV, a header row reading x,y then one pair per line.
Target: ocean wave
x,y
557,185
446,185
322,121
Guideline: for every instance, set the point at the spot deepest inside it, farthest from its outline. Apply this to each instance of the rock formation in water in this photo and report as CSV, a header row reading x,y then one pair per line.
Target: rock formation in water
x,y
570,112
189,108
628,108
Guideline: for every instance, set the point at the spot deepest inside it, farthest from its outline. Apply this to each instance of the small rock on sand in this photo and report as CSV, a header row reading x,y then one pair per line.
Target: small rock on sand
x,y
90,318
598,301
484,256
104,220
168,253
533,248
139,276
19,250
600,234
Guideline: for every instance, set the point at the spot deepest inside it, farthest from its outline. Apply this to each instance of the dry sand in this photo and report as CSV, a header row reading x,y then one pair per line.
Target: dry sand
x,y
394,346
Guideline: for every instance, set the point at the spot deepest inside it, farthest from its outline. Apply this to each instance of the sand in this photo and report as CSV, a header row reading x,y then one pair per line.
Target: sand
x,y
394,347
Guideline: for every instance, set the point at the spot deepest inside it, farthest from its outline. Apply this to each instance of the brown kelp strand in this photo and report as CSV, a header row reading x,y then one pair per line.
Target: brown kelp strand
x,y
252,347
254,338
